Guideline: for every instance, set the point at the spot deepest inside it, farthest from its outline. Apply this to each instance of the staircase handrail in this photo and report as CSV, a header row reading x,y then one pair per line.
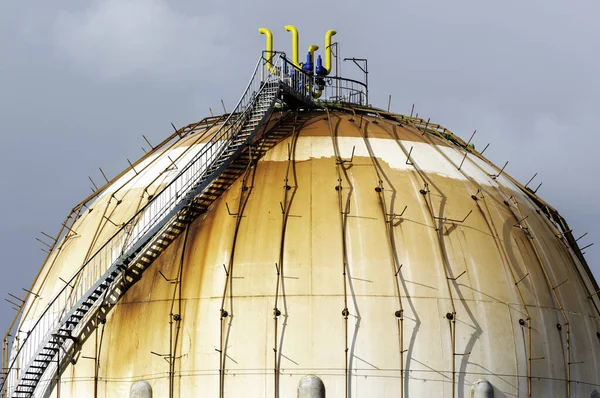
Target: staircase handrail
x,y
136,230
119,243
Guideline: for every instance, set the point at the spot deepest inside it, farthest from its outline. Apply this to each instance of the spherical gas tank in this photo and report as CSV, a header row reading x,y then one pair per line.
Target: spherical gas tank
x,y
359,254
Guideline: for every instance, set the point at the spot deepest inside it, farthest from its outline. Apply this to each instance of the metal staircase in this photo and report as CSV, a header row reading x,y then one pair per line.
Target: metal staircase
x,y
47,348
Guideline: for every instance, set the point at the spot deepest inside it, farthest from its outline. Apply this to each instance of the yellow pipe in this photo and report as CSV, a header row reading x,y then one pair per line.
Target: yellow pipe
x,y
294,31
312,50
328,51
269,45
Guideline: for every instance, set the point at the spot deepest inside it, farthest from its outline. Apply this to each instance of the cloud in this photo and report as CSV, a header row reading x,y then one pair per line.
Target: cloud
x,y
116,39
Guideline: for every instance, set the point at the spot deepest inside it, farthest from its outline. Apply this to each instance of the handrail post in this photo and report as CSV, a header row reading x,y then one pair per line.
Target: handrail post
x,y
262,70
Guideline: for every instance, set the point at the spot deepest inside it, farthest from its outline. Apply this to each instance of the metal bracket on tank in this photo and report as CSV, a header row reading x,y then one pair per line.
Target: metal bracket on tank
x,y
342,161
229,211
394,216
494,176
172,281
519,223
456,278
408,161
594,294
445,219
467,150
426,125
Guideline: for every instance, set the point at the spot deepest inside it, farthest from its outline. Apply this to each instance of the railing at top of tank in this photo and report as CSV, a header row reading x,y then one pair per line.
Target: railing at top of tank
x,y
133,233
339,90
317,89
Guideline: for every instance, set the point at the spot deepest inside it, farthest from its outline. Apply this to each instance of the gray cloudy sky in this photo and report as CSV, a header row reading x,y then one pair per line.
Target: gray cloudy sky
x,y
80,81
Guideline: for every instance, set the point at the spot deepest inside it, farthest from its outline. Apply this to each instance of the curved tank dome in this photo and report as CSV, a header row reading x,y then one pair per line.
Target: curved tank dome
x,y
350,253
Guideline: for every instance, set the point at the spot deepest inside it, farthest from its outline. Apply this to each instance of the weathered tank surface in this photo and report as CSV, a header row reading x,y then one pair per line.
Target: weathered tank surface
x,y
359,251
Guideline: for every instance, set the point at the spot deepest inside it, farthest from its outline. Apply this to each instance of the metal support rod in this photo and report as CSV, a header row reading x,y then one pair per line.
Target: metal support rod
x,y
467,150
520,280
110,221
519,223
408,161
66,283
172,162
426,126
44,243
578,239
562,234
132,168
48,236
593,294
531,179
445,219
30,292
92,181
147,141
456,278
17,298
103,175
494,176
11,302
176,130
486,147
560,284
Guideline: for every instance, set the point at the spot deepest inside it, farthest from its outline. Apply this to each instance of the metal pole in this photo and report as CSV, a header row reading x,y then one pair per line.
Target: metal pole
x,y
96,359
4,365
365,70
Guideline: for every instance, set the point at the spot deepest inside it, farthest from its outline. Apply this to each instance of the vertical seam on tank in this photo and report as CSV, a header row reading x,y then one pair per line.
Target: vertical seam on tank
x,y
500,248
97,355
343,223
504,255
443,254
243,200
551,287
389,227
286,206
173,345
